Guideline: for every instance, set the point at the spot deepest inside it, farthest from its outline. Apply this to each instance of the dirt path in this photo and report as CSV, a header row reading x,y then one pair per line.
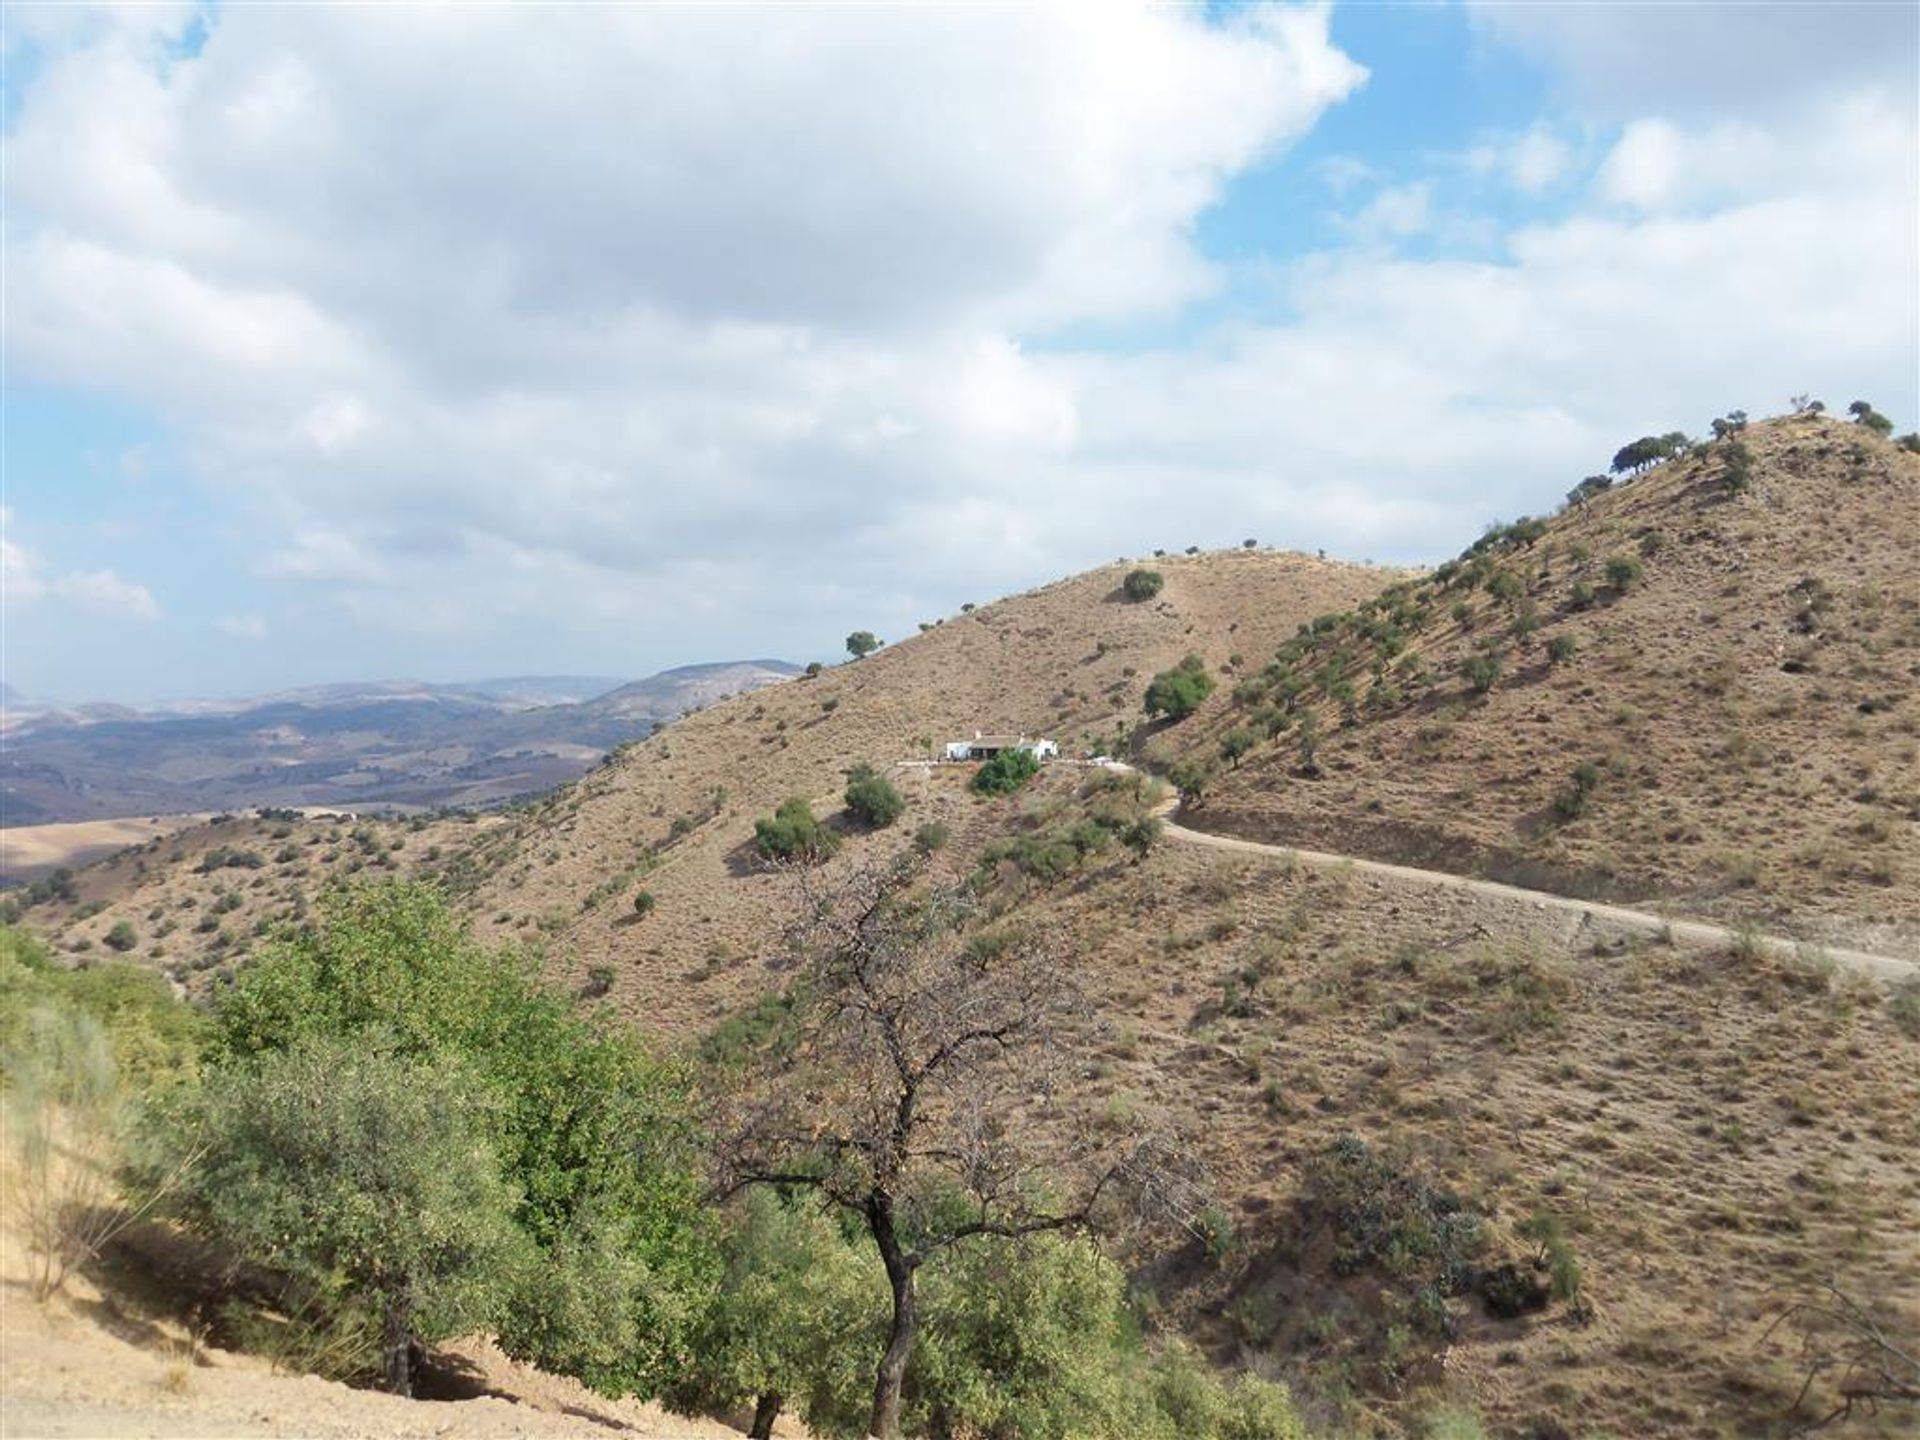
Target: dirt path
x,y
1700,934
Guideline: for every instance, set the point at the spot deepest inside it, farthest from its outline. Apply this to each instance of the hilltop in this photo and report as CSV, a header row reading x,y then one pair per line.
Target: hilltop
x,y
1684,688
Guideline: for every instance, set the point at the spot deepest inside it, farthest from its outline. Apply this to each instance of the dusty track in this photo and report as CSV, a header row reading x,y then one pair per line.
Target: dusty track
x,y
1699,934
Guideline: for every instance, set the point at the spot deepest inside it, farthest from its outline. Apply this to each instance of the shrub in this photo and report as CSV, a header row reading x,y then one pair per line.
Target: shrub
x,y
793,833
1624,572
1178,692
931,836
1505,585
1910,442
122,937
862,643
1561,648
1142,584
1006,772
1864,414
1481,670
814,667
1190,778
1583,595
643,903
1577,798
871,798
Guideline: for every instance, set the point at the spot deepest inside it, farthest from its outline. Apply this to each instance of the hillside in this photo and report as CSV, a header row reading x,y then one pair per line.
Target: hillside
x,y
1743,689
1068,661
1710,1133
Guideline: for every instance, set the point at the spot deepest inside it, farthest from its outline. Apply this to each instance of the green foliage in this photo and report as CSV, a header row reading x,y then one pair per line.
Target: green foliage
x,y
1505,585
1034,1340
1736,466
1864,414
643,903
1910,442
154,1038
932,836
1191,778
862,643
1385,1219
793,833
122,936
1178,692
591,1134
797,1315
1006,772
1543,1227
1480,670
871,798
1561,649
1647,450
1624,572
1234,744
369,1178
1577,798
1142,584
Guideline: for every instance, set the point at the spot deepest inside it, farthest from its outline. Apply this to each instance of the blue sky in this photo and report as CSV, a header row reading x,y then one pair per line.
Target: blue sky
x,y
347,344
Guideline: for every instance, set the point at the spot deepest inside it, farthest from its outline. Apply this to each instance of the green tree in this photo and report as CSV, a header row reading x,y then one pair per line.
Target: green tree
x,y
1481,669
1234,744
794,833
862,643
371,1178
1006,772
794,1322
122,936
1178,692
871,798
1142,584
594,1135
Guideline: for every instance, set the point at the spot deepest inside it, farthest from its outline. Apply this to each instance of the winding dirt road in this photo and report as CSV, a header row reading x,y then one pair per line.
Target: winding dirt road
x,y
1699,934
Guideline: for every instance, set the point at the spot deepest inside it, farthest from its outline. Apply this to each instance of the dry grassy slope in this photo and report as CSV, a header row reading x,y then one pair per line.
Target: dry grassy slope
x,y
1716,1133
1750,766
1070,660
191,921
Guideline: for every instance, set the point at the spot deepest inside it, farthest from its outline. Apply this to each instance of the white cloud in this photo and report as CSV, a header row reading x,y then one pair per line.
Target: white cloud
x,y
105,593
570,320
242,627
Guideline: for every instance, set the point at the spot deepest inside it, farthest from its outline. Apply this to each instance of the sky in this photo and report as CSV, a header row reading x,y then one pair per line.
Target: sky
x,y
446,341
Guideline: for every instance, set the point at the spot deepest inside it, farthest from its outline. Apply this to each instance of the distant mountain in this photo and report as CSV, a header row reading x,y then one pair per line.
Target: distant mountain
x,y
398,743
690,687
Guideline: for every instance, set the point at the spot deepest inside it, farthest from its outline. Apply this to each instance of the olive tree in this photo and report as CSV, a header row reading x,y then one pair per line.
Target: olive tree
x,y
369,1177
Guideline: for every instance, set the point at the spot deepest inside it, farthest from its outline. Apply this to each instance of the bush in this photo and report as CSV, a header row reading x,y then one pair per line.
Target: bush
x,y
1561,648
1583,595
1178,692
1481,670
793,833
643,903
931,836
1006,772
1577,798
1624,572
122,937
862,643
871,798
1234,744
1142,584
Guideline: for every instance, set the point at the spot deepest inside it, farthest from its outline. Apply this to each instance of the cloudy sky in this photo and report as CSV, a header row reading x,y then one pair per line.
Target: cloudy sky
x,y
460,340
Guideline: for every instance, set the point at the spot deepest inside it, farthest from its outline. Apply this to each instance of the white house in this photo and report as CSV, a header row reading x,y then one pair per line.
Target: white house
x,y
985,747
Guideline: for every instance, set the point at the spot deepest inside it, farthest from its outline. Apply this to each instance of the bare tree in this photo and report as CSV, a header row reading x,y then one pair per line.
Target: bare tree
x,y
918,1088
1843,1341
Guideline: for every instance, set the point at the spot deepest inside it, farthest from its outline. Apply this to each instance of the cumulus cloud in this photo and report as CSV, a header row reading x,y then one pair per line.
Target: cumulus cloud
x,y
589,316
